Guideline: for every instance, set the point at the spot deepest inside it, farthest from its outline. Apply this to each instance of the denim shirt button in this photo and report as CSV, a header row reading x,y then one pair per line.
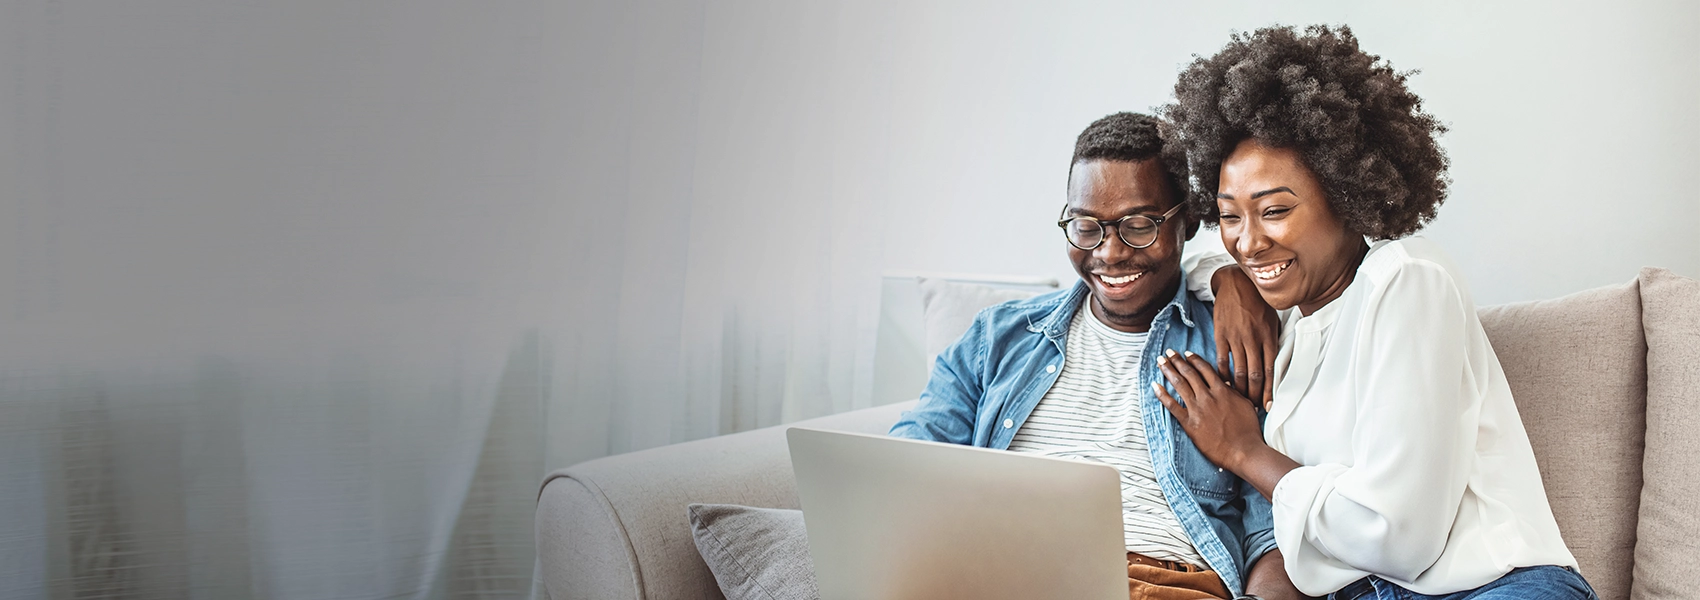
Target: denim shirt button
x,y
1050,368
1008,423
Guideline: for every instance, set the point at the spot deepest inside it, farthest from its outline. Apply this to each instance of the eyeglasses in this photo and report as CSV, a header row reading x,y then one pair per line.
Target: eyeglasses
x,y
1137,231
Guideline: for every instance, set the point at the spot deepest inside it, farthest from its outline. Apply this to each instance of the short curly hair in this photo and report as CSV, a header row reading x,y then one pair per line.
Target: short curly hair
x,y
1130,137
1346,112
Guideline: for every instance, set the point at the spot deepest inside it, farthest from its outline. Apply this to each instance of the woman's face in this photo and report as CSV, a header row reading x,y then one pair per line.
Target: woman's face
x,y
1277,223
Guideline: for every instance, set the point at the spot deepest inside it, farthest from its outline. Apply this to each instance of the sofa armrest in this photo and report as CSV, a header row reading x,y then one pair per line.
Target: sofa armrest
x,y
616,527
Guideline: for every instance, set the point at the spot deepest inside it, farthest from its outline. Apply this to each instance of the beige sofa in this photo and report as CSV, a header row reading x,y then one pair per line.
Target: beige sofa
x,y
1607,381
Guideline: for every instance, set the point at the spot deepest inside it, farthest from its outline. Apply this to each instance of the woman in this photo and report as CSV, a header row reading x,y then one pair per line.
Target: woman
x,y
1392,452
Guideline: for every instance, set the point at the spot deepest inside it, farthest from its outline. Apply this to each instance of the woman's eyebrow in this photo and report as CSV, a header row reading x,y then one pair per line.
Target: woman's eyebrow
x,y
1268,192
1256,195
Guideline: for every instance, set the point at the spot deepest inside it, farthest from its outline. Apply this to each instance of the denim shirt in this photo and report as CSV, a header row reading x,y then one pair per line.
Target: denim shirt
x,y
985,385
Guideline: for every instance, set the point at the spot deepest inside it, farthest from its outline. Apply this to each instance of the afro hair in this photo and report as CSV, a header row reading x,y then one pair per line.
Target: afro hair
x,y
1346,112
1131,137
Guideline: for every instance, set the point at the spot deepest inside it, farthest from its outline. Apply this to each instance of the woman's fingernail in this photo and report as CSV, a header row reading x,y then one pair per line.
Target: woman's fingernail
x,y
1157,387
1162,360
1189,354
1170,352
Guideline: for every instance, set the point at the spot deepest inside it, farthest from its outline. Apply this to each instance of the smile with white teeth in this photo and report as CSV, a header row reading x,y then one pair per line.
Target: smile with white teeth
x,y
1119,280
1271,271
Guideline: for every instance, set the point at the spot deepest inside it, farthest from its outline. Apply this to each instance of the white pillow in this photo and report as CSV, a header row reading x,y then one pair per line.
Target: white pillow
x,y
949,308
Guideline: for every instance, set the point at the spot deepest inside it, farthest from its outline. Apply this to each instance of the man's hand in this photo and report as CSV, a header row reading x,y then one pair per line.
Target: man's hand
x,y
1248,331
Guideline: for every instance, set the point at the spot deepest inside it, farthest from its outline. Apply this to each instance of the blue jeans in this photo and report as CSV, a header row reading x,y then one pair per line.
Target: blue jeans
x,y
1533,583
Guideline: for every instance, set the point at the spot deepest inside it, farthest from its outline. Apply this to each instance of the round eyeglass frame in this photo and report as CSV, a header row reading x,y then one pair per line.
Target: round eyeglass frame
x,y
1156,223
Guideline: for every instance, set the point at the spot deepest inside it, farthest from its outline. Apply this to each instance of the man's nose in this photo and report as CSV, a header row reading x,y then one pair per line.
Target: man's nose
x,y
1113,250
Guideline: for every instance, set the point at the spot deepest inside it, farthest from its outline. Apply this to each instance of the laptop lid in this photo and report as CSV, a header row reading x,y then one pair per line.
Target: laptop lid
x,y
897,519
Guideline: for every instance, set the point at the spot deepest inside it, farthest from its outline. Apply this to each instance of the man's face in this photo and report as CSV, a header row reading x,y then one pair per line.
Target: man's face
x,y
1129,285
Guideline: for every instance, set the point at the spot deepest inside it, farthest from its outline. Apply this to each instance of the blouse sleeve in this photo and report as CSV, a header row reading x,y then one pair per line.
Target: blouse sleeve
x,y
1200,267
1391,510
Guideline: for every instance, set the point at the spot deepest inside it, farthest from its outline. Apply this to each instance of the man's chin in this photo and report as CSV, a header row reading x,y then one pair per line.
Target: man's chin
x,y
1120,310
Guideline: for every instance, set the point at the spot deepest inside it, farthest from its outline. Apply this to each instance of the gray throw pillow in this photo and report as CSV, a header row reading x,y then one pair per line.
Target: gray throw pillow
x,y
755,553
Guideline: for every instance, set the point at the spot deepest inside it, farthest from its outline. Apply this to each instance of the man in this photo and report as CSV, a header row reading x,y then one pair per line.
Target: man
x,y
1064,374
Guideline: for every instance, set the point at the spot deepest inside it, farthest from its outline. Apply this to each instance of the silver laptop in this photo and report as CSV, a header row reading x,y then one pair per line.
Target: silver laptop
x,y
895,519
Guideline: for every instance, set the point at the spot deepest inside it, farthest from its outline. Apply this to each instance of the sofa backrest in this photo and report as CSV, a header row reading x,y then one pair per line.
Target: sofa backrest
x,y
1577,368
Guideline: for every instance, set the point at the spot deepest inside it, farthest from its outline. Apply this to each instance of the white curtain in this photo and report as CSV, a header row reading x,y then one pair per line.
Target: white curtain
x,y
304,299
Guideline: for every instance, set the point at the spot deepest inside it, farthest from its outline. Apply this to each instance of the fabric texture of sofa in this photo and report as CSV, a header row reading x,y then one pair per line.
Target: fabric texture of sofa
x,y
1607,382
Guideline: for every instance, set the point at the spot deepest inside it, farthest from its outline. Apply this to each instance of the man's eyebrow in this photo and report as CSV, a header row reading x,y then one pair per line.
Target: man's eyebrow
x,y
1256,195
1141,209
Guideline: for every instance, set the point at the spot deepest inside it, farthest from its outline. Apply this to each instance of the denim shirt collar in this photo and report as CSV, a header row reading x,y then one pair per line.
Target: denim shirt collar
x,y
1055,324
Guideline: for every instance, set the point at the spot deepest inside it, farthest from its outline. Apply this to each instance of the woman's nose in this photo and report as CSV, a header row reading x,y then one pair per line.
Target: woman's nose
x,y
1253,239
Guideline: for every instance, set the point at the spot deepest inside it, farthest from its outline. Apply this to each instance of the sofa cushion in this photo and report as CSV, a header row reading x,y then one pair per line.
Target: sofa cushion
x,y
1577,370
1670,500
950,307
755,553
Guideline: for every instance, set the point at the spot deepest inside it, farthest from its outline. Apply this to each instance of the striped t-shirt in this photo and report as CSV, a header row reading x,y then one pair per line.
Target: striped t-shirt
x,y
1093,413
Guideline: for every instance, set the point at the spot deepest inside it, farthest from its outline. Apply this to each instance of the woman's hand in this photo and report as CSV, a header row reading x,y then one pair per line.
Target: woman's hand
x,y
1248,331
1222,423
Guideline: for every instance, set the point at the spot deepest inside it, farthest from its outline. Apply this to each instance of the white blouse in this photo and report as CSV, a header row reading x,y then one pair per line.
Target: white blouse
x,y
1417,467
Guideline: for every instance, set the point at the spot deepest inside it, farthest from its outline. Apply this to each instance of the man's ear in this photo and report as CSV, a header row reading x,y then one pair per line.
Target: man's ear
x,y
1191,228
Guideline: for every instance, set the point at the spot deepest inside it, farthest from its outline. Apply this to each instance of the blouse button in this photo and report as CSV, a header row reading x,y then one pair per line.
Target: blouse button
x,y
1050,368
1008,423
